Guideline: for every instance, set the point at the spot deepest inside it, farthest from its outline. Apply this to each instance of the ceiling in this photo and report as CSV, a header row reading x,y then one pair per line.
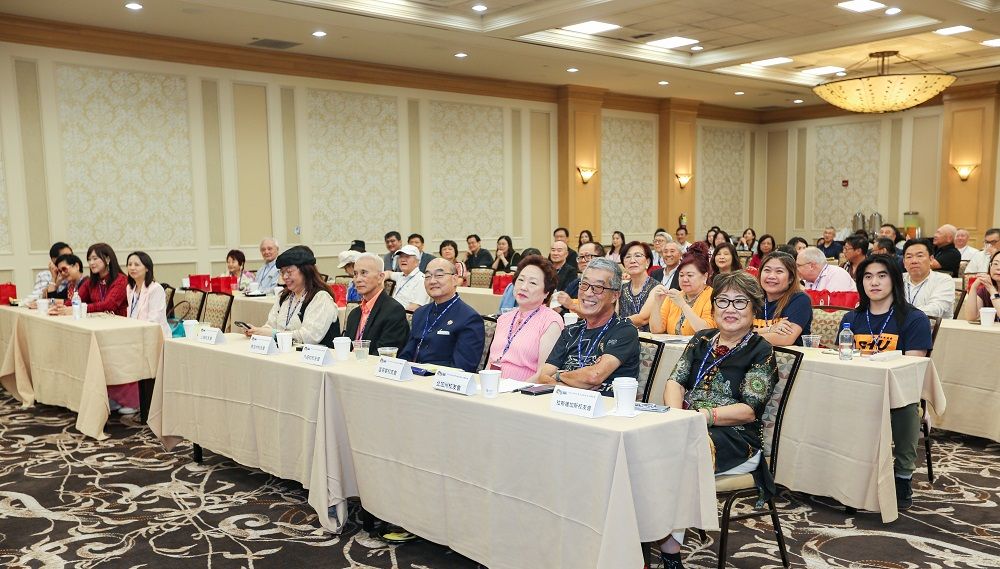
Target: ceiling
x,y
524,40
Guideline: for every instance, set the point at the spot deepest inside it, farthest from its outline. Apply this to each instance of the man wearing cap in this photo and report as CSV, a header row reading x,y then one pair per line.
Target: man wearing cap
x,y
347,260
379,318
357,245
409,289
267,276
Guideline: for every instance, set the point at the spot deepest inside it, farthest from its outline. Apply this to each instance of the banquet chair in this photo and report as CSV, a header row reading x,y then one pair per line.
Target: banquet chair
x,y
168,292
961,269
826,323
350,307
390,285
959,301
490,324
481,278
325,277
409,317
925,418
342,280
744,257
216,309
188,303
649,362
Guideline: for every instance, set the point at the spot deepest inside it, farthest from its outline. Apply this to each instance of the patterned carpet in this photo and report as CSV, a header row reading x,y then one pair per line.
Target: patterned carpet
x,y
70,501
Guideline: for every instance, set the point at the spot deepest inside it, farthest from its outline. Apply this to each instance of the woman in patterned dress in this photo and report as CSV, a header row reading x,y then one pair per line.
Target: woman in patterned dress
x,y
689,309
636,256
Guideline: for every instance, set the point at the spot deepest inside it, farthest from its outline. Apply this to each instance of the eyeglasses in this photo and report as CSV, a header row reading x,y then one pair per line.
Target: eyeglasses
x,y
737,303
586,257
64,269
598,289
439,275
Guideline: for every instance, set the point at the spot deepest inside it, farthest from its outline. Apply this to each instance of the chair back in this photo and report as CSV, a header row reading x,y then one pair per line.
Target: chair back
x,y
342,280
350,307
959,301
325,277
168,292
490,324
409,317
481,278
649,362
961,268
935,325
826,323
188,303
744,257
216,309
390,285
787,362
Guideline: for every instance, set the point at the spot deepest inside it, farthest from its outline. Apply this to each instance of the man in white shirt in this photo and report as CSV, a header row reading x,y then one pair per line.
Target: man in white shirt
x,y
980,262
267,276
681,236
667,275
962,244
817,274
930,291
51,275
409,291
660,239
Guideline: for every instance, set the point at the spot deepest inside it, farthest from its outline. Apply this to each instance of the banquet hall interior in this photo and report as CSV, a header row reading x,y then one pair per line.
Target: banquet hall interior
x,y
193,129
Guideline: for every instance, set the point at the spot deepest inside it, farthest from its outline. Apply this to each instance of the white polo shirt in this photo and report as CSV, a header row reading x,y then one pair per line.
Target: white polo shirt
x,y
935,295
410,289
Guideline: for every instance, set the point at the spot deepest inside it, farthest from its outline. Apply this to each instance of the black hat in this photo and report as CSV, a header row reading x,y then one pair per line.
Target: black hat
x,y
298,255
357,245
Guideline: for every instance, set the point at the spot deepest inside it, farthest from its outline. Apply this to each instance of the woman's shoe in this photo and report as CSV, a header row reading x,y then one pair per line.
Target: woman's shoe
x,y
671,560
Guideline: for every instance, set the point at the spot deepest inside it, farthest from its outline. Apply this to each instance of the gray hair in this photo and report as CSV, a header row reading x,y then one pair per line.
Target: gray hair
x,y
379,261
272,240
812,255
665,236
742,282
605,264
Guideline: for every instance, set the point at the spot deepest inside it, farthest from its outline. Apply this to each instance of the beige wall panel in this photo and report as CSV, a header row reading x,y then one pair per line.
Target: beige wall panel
x,y
172,273
213,162
924,176
33,157
967,136
541,180
219,268
777,185
7,276
970,136
413,124
291,160
252,161
895,152
800,179
516,171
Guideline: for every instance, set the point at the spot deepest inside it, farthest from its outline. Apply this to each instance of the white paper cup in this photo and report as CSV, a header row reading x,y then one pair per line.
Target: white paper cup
x,y
185,282
83,310
625,389
388,352
191,328
43,306
342,348
570,318
489,383
284,342
253,287
987,316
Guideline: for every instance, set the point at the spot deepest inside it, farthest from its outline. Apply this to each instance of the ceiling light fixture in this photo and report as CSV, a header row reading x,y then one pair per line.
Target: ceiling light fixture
x,y
461,55
480,8
953,30
826,70
134,6
672,42
769,62
992,43
884,92
591,27
663,83
841,74
861,5
319,34
892,11
798,101
697,47
572,69
738,93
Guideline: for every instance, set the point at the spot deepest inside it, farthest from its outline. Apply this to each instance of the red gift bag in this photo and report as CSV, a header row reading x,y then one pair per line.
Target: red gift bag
x,y
7,292
847,299
500,282
339,293
819,297
201,282
224,285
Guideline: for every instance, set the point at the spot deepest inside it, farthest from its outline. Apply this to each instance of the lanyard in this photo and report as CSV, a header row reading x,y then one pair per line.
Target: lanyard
x,y
264,271
910,298
135,302
819,277
428,325
512,333
580,356
876,338
291,310
405,282
669,277
766,317
703,371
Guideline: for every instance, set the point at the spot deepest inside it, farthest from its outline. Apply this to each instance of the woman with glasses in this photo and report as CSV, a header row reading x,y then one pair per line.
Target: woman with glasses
x,y
689,309
727,374
787,311
632,302
985,288
69,277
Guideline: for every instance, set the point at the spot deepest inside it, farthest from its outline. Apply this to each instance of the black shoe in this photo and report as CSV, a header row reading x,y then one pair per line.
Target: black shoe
x,y
671,560
904,494
398,535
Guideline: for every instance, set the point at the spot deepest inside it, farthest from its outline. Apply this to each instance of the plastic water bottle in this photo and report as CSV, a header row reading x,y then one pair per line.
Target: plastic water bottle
x,y
76,306
845,343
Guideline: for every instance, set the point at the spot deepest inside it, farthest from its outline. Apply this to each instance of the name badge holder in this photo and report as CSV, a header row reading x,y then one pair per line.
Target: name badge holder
x,y
460,382
262,345
316,355
395,369
211,336
579,402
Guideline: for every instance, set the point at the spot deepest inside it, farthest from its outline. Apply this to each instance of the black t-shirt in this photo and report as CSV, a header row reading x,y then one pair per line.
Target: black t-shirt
x,y
915,333
620,339
798,311
565,275
949,258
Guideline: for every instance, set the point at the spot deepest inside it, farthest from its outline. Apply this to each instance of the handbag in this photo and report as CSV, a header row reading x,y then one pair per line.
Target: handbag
x,y
225,285
201,282
7,292
339,293
500,282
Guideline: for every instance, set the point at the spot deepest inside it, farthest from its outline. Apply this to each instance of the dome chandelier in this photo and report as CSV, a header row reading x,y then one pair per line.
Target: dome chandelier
x,y
884,92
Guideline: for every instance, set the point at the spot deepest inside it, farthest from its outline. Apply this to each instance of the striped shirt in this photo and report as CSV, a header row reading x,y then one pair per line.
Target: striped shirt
x,y
521,360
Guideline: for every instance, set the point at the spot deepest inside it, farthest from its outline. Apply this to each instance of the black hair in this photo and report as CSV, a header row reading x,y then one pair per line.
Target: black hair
x,y
530,251
563,229
613,249
901,307
418,236
57,247
774,244
736,265
859,242
886,243
448,243
510,244
393,234
70,259
795,240
146,262
238,256
473,236
925,242
106,254
786,248
895,231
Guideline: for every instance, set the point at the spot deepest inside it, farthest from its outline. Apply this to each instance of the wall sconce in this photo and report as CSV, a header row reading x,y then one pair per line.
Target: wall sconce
x,y
586,173
964,170
683,179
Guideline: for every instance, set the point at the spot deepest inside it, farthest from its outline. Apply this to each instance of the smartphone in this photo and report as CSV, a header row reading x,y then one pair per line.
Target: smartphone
x,y
243,325
538,389
651,407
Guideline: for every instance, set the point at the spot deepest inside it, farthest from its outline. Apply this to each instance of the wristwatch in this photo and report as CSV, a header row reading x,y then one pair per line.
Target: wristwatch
x,y
996,295
557,376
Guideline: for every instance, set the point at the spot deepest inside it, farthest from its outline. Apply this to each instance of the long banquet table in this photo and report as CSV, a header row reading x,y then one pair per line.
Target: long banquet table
x,y
57,360
967,357
503,481
254,310
481,299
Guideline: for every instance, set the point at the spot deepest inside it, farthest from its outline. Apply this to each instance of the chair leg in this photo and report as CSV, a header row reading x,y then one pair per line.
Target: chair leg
x,y
702,535
927,444
724,529
647,547
196,453
777,533
145,398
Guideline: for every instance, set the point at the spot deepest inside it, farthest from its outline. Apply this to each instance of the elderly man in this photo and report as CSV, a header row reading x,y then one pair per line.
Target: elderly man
x,y
267,276
667,274
962,244
946,256
981,261
817,274
346,261
588,252
47,281
565,272
660,238
889,231
448,331
562,234
378,319
393,241
409,290
930,291
417,240
828,246
602,345
855,250
477,257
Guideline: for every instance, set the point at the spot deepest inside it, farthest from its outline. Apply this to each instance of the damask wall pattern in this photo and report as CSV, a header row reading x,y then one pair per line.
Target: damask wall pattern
x,y
353,146
466,165
4,212
126,153
628,176
845,152
722,180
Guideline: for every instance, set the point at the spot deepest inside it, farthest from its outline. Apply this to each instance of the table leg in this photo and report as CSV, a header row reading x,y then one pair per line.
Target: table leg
x,y
145,397
196,452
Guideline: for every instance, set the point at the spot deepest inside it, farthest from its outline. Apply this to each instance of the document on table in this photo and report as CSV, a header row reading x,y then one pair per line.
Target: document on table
x,y
511,385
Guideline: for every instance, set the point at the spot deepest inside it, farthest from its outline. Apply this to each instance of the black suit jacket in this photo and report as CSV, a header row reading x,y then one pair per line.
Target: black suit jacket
x,y
657,276
386,326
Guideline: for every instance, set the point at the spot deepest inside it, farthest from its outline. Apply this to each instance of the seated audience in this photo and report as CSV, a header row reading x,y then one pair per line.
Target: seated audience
x,y
748,241
602,345
565,272
946,257
786,313
235,263
721,238
889,231
855,250
962,244
667,274
765,247
305,308
725,259
506,258
47,281
524,337
69,267
634,293
104,291
617,242
417,240
885,321
985,290
393,241
477,257
710,236
267,275
798,243
588,252
660,239
680,237
979,265
449,251
932,292
585,237
410,291
562,234
347,259
828,246
378,318
508,301
447,331
689,309
817,274
731,391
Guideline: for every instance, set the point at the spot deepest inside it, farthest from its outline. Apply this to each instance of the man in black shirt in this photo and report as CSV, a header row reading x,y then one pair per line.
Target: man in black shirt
x,y
562,234
565,272
477,257
947,258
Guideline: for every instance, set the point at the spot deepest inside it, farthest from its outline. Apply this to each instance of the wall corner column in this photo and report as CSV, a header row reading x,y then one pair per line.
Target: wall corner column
x,y
678,140
579,133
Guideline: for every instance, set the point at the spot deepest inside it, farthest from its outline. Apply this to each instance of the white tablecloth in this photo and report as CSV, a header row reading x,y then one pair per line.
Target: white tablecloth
x,y
254,310
481,299
967,357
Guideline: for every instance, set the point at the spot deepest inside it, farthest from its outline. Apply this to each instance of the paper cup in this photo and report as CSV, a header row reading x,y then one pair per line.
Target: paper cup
x,y
190,328
185,282
253,287
810,340
625,389
987,316
284,342
83,310
342,348
361,348
388,352
570,318
489,382
43,306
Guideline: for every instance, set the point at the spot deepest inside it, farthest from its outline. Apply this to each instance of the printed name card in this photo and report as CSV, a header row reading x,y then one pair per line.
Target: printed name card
x,y
395,369
316,355
453,381
579,402
263,345
211,336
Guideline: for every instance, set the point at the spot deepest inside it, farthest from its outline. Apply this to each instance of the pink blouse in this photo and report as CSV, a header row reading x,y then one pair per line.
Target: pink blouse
x,y
521,358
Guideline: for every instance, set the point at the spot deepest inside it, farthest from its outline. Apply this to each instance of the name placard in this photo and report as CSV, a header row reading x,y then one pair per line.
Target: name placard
x,y
316,355
395,369
579,402
451,381
263,345
211,336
